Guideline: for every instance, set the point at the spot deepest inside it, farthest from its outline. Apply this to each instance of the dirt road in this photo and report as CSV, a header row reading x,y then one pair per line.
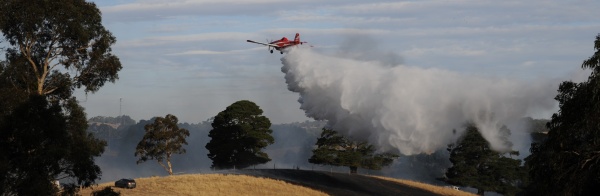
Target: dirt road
x,y
337,183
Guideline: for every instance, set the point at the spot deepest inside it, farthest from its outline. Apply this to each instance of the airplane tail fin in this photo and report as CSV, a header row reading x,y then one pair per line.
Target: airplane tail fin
x,y
297,38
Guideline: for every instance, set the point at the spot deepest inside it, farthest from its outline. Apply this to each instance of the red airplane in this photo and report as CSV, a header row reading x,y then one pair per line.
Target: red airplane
x,y
280,44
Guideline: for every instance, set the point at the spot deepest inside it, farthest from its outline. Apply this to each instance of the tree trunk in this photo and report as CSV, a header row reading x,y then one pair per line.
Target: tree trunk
x,y
480,191
353,169
169,164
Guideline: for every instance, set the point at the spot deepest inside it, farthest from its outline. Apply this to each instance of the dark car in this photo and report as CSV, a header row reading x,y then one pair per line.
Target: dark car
x,y
125,183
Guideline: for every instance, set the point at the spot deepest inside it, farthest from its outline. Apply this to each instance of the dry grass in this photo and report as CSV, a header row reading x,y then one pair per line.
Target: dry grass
x,y
209,184
432,188
231,184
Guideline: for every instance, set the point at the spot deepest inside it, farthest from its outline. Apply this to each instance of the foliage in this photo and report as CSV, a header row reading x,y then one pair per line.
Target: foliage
x,y
51,143
334,149
163,138
51,48
50,40
568,162
476,165
106,191
69,190
239,135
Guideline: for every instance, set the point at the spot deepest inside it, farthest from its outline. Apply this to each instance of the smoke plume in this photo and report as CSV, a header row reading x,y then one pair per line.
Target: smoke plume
x,y
410,109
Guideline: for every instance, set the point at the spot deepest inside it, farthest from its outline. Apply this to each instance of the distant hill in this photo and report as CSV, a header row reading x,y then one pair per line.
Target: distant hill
x,y
121,120
109,128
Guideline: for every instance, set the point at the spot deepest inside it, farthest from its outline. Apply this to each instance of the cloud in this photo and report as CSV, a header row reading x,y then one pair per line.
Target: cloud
x,y
166,9
444,51
328,31
212,52
477,12
187,39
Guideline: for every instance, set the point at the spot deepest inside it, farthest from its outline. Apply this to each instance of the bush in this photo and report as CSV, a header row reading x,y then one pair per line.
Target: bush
x,y
107,191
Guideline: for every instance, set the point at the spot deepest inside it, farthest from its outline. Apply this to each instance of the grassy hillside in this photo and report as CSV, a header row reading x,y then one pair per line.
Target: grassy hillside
x,y
244,184
209,184
432,188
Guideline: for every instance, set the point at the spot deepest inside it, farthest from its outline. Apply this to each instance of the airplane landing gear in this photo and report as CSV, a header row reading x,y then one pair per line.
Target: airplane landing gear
x,y
271,51
281,52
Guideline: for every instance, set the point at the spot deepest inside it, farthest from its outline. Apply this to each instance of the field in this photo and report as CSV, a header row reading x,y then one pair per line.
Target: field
x,y
209,184
278,182
435,189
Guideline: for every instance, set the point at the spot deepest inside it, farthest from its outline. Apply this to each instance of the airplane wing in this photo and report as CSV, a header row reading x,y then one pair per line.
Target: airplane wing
x,y
266,44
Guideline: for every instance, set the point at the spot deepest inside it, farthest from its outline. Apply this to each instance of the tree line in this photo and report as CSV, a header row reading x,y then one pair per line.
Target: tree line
x,y
52,48
564,159
239,135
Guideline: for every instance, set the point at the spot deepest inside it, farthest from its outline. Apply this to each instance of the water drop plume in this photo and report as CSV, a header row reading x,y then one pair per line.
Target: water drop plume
x,y
410,109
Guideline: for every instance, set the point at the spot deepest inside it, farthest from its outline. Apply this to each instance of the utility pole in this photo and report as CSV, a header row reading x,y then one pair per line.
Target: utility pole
x,y
120,101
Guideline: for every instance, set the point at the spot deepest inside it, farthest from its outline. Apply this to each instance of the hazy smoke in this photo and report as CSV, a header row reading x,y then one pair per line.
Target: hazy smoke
x,y
411,109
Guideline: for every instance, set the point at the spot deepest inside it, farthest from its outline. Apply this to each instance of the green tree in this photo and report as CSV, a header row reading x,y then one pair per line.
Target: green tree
x,y
334,149
475,164
568,162
107,191
52,143
163,138
51,48
50,40
239,134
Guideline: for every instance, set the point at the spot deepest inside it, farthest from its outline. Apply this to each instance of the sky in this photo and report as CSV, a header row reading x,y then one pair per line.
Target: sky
x,y
190,58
